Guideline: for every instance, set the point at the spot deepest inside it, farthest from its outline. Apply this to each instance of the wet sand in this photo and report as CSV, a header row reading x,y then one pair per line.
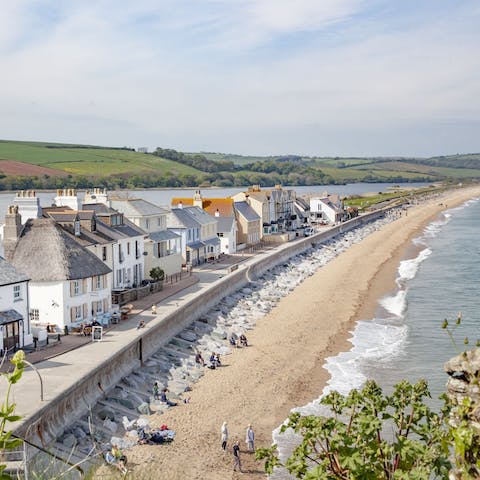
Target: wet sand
x,y
283,366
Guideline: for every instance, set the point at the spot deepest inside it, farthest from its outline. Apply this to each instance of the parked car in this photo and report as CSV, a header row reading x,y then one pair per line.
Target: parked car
x,y
309,231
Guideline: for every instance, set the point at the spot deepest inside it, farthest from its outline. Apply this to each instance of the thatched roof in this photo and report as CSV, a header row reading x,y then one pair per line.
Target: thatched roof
x,y
48,254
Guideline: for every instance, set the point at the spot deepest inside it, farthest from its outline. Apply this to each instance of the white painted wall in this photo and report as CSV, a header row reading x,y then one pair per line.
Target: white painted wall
x,y
45,296
129,262
8,302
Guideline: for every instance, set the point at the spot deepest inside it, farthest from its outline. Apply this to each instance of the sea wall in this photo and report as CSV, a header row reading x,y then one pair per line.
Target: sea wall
x,y
49,422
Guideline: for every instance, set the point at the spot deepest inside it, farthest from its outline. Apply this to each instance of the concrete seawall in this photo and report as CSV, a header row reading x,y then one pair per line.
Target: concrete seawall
x,y
49,421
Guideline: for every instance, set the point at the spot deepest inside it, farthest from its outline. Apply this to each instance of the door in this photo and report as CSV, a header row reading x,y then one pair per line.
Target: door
x,y
11,336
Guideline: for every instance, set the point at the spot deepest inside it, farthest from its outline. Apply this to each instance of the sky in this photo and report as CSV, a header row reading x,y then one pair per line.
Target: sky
x,y
309,77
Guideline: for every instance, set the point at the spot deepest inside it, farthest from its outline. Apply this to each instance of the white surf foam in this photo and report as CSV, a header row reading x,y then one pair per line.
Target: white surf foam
x,y
409,268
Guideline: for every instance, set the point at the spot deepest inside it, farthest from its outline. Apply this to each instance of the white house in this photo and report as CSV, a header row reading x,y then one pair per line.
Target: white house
x,y
68,283
227,233
163,248
126,258
327,207
14,319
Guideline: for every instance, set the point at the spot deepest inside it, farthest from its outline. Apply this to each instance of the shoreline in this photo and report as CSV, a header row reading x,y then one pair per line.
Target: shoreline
x,y
283,367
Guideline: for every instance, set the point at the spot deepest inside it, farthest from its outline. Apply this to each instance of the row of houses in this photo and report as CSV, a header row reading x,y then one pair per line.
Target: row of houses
x,y
63,262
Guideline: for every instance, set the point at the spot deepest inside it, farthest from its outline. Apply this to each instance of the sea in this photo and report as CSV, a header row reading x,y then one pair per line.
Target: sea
x,y
405,339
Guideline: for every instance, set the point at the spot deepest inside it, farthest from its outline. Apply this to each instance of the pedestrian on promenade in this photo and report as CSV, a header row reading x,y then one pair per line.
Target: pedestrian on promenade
x,y
236,457
224,431
250,439
154,309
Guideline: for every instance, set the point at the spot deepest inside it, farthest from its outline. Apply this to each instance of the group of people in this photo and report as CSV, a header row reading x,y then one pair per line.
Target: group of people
x,y
240,342
214,360
162,395
249,440
86,328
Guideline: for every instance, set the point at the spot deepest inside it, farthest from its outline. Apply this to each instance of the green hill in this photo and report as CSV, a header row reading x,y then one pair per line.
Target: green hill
x,y
52,165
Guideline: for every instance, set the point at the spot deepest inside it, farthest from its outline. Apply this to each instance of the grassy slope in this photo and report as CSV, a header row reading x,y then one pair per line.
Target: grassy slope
x,y
89,161
98,161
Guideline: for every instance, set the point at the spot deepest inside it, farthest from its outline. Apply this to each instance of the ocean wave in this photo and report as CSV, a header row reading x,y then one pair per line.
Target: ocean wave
x,y
409,268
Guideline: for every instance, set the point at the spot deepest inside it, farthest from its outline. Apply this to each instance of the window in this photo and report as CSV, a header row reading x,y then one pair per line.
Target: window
x,y
147,223
104,253
220,234
75,288
34,315
159,222
128,248
77,228
97,282
119,276
17,293
77,312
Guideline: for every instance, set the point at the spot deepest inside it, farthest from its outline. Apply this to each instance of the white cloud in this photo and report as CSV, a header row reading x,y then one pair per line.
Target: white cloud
x,y
101,74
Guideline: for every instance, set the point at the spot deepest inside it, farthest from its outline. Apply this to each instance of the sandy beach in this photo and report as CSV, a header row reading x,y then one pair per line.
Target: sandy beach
x,y
282,367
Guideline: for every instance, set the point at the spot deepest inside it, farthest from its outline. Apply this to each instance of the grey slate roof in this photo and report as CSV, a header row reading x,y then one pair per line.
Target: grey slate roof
x,y
225,224
178,217
212,241
9,274
201,216
49,254
246,211
9,316
128,229
163,235
137,207
195,245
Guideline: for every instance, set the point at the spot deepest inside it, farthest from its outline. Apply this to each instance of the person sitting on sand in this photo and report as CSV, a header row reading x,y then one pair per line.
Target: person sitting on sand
x,y
232,341
213,361
117,458
217,360
243,340
164,399
199,359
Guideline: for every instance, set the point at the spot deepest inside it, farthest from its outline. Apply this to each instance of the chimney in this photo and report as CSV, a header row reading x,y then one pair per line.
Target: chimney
x,y
68,198
28,205
11,230
98,195
217,212
197,199
180,205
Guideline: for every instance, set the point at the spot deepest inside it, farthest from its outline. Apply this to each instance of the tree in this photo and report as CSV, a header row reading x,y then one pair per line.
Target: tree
x,y
157,274
368,436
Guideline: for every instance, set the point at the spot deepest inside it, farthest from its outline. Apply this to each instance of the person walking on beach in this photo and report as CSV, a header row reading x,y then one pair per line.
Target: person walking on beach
x,y
236,457
250,438
224,431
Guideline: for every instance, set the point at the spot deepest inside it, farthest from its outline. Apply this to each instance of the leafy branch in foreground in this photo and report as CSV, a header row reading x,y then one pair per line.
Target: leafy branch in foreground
x,y
7,410
369,435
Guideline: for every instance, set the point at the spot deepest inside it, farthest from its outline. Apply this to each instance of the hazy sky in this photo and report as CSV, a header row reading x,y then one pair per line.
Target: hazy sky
x,y
323,77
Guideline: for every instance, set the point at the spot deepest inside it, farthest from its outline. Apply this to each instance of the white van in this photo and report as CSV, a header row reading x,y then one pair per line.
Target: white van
x,y
309,231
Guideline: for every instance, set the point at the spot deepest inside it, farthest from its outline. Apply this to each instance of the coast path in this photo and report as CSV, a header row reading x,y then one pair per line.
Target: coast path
x,y
283,366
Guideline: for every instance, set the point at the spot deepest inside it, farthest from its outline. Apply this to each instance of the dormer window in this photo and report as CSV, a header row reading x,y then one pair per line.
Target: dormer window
x,y
77,227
